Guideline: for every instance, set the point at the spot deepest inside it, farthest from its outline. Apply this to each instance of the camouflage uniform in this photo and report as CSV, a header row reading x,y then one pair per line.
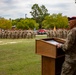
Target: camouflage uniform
x,y
69,65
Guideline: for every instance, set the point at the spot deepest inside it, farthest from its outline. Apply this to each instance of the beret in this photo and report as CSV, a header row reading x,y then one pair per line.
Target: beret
x,y
71,18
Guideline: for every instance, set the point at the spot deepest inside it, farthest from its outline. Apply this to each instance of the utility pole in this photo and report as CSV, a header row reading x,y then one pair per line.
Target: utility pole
x,y
25,15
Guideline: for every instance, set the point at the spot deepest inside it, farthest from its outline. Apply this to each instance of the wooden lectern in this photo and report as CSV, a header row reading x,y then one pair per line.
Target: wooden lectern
x,y
52,58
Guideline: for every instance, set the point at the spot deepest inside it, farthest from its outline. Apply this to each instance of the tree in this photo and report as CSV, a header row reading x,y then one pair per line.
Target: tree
x,y
27,24
62,21
56,20
39,13
5,24
15,21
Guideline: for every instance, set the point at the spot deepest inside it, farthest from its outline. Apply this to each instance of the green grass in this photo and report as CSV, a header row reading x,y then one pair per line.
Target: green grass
x,y
19,58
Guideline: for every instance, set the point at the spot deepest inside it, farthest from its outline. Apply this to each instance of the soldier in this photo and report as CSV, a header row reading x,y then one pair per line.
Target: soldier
x,y
20,34
0,33
51,33
60,33
34,34
23,34
3,34
64,34
28,35
13,35
69,47
9,35
54,34
6,33
48,33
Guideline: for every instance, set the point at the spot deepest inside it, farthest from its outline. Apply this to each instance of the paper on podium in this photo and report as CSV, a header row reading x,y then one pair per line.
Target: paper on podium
x,y
54,42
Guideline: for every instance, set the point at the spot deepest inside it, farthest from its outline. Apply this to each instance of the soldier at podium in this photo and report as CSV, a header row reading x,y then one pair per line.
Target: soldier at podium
x,y
69,47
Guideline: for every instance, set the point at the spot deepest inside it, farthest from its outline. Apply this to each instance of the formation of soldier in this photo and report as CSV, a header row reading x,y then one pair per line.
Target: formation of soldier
x,y
60,33
17,34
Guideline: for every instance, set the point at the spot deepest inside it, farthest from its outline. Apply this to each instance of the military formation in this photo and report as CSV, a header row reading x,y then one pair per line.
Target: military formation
x,y
60,33
17,34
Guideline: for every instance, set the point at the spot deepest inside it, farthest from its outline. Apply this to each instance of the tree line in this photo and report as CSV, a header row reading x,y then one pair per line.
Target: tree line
x,y
40,19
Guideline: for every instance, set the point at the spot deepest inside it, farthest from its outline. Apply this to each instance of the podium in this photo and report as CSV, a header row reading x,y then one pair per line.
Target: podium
x,y
52,57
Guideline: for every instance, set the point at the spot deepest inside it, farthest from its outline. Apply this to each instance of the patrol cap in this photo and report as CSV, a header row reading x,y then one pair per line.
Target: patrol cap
x,y
71,18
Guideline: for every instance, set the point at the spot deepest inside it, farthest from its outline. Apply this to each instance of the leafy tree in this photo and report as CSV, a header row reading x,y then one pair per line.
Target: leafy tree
x,y
5,24
15,21
62,21
56,20
19,25
27,24
39,13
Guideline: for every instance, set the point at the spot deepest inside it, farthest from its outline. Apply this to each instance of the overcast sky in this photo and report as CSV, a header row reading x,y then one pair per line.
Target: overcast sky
x,y
18,8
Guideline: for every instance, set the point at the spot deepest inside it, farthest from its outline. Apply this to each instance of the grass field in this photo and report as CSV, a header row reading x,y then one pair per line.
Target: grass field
x,y
17,57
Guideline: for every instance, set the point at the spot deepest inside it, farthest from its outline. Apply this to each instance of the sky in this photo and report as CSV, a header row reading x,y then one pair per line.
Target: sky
x,y
21,8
